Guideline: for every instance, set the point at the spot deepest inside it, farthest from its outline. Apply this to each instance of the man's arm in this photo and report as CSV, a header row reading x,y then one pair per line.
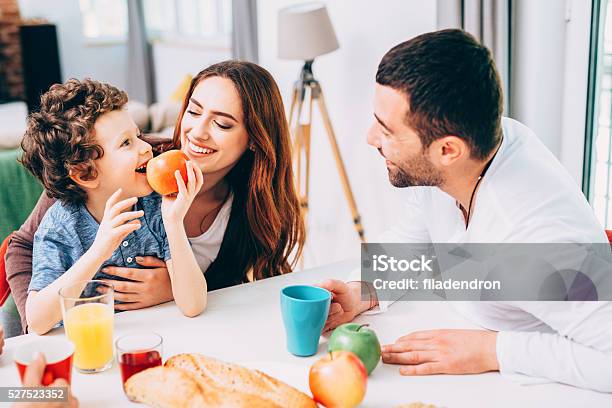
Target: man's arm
x,y
19,256
579,353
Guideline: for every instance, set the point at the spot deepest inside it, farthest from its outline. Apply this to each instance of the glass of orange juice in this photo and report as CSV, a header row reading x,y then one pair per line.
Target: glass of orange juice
x,y
88,320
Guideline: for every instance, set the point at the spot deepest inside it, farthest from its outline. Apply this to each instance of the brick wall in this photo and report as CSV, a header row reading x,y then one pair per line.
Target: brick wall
x,y
11,78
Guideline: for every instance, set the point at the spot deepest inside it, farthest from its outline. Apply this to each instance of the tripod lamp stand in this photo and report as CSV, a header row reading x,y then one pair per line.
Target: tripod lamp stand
x,y
304,33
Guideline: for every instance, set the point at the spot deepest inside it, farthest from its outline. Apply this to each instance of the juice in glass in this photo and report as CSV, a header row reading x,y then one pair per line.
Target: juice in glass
x,y
133,363
137,352
90,327
88,320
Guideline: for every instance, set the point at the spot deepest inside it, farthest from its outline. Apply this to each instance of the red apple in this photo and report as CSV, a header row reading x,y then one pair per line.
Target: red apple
x,y
161,169
338,379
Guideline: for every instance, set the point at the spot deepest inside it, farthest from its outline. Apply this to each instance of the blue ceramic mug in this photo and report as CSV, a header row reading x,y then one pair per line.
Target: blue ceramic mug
x,y
304,309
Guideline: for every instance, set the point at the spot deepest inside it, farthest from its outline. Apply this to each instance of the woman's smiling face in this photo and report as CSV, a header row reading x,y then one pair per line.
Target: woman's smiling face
x,y
213,134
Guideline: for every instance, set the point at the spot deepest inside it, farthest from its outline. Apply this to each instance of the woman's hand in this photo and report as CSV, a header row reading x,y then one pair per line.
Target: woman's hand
x,y
174,208
444,352
150,286
32,378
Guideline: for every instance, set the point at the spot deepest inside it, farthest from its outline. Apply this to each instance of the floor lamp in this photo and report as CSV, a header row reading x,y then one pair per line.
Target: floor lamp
x,y
304,33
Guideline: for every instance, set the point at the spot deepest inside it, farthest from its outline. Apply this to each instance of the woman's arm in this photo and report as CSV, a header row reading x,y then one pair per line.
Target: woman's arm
x,y
147,286
188,283
19,256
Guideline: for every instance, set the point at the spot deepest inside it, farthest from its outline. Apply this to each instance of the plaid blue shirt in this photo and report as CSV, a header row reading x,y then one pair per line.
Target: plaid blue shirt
x,y
67,231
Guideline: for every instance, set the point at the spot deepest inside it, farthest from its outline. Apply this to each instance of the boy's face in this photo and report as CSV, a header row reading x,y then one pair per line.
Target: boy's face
x,y
124,154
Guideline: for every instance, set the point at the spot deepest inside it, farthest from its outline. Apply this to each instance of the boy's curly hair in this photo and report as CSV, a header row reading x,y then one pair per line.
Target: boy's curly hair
x,y
60,138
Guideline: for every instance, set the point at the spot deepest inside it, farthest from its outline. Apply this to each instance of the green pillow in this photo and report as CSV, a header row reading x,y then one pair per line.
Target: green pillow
x,y
19,192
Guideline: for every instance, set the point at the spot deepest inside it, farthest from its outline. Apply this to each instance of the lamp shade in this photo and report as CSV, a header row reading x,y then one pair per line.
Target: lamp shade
x,y
305,32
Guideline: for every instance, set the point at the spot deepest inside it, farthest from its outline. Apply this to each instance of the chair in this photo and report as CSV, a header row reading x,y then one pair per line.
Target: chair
x,y
5,289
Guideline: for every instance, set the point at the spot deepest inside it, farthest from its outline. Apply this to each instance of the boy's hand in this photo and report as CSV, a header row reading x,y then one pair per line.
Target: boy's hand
x,y
174,208
116,224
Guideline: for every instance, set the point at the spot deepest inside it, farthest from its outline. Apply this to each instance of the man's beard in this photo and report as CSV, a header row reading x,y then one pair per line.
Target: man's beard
x,y
414,172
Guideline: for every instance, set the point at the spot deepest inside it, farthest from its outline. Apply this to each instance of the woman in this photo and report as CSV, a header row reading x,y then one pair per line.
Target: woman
x,y
245,223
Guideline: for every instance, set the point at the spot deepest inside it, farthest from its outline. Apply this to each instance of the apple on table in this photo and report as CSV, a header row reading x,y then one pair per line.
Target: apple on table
x,y
359,339
338,380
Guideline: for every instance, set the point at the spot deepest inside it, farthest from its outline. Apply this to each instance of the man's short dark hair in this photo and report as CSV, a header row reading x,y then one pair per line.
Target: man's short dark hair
x,y
60,138
452,87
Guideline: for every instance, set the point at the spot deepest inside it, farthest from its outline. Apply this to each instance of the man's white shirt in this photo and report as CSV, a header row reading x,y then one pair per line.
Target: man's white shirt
x,y
526,196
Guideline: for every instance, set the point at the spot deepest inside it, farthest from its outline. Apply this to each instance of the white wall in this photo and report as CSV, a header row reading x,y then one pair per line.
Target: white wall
x,y
578,33
537,76
173,61
107,63
365,30
550,75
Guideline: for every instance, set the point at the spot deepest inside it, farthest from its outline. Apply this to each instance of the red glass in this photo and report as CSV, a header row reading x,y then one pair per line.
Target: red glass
x,y
61,369
135,362
58,354
138,352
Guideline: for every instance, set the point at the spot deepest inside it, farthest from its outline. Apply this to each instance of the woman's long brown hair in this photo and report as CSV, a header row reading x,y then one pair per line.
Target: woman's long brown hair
x,y
265,227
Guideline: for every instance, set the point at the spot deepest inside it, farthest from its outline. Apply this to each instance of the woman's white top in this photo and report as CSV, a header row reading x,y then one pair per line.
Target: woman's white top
x,y
206,247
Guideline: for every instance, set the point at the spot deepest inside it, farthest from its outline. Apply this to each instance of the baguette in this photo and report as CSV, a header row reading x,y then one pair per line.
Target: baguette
x,y
168,387
163,387
215,374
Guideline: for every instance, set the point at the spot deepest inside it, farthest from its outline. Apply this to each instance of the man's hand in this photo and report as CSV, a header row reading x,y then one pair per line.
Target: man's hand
x,y
346,302
32,378
444,352
151,285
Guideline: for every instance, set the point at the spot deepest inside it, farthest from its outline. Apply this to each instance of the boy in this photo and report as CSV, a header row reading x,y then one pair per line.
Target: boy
x,y
85,149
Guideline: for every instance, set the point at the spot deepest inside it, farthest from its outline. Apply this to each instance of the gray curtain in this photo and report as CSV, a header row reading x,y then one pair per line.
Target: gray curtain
x,y
244,30
140,66
491,22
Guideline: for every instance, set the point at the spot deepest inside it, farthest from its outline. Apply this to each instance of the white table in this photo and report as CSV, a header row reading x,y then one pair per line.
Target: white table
x,y
242,324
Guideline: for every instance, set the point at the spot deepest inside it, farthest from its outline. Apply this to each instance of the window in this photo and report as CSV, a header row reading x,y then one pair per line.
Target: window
x,y
104,20
205,21
597,183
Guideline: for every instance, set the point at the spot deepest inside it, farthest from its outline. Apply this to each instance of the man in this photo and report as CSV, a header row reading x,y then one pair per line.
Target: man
x,y
477,178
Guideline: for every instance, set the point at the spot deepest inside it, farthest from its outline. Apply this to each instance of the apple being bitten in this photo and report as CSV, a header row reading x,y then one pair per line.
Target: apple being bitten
x,y
359,339
338,380
161,169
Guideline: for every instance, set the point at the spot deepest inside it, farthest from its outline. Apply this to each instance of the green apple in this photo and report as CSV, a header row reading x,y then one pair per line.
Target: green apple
x,y
358,339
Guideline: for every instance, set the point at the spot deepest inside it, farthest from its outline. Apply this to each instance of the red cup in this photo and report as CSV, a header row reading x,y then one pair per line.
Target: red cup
x,y
58,355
